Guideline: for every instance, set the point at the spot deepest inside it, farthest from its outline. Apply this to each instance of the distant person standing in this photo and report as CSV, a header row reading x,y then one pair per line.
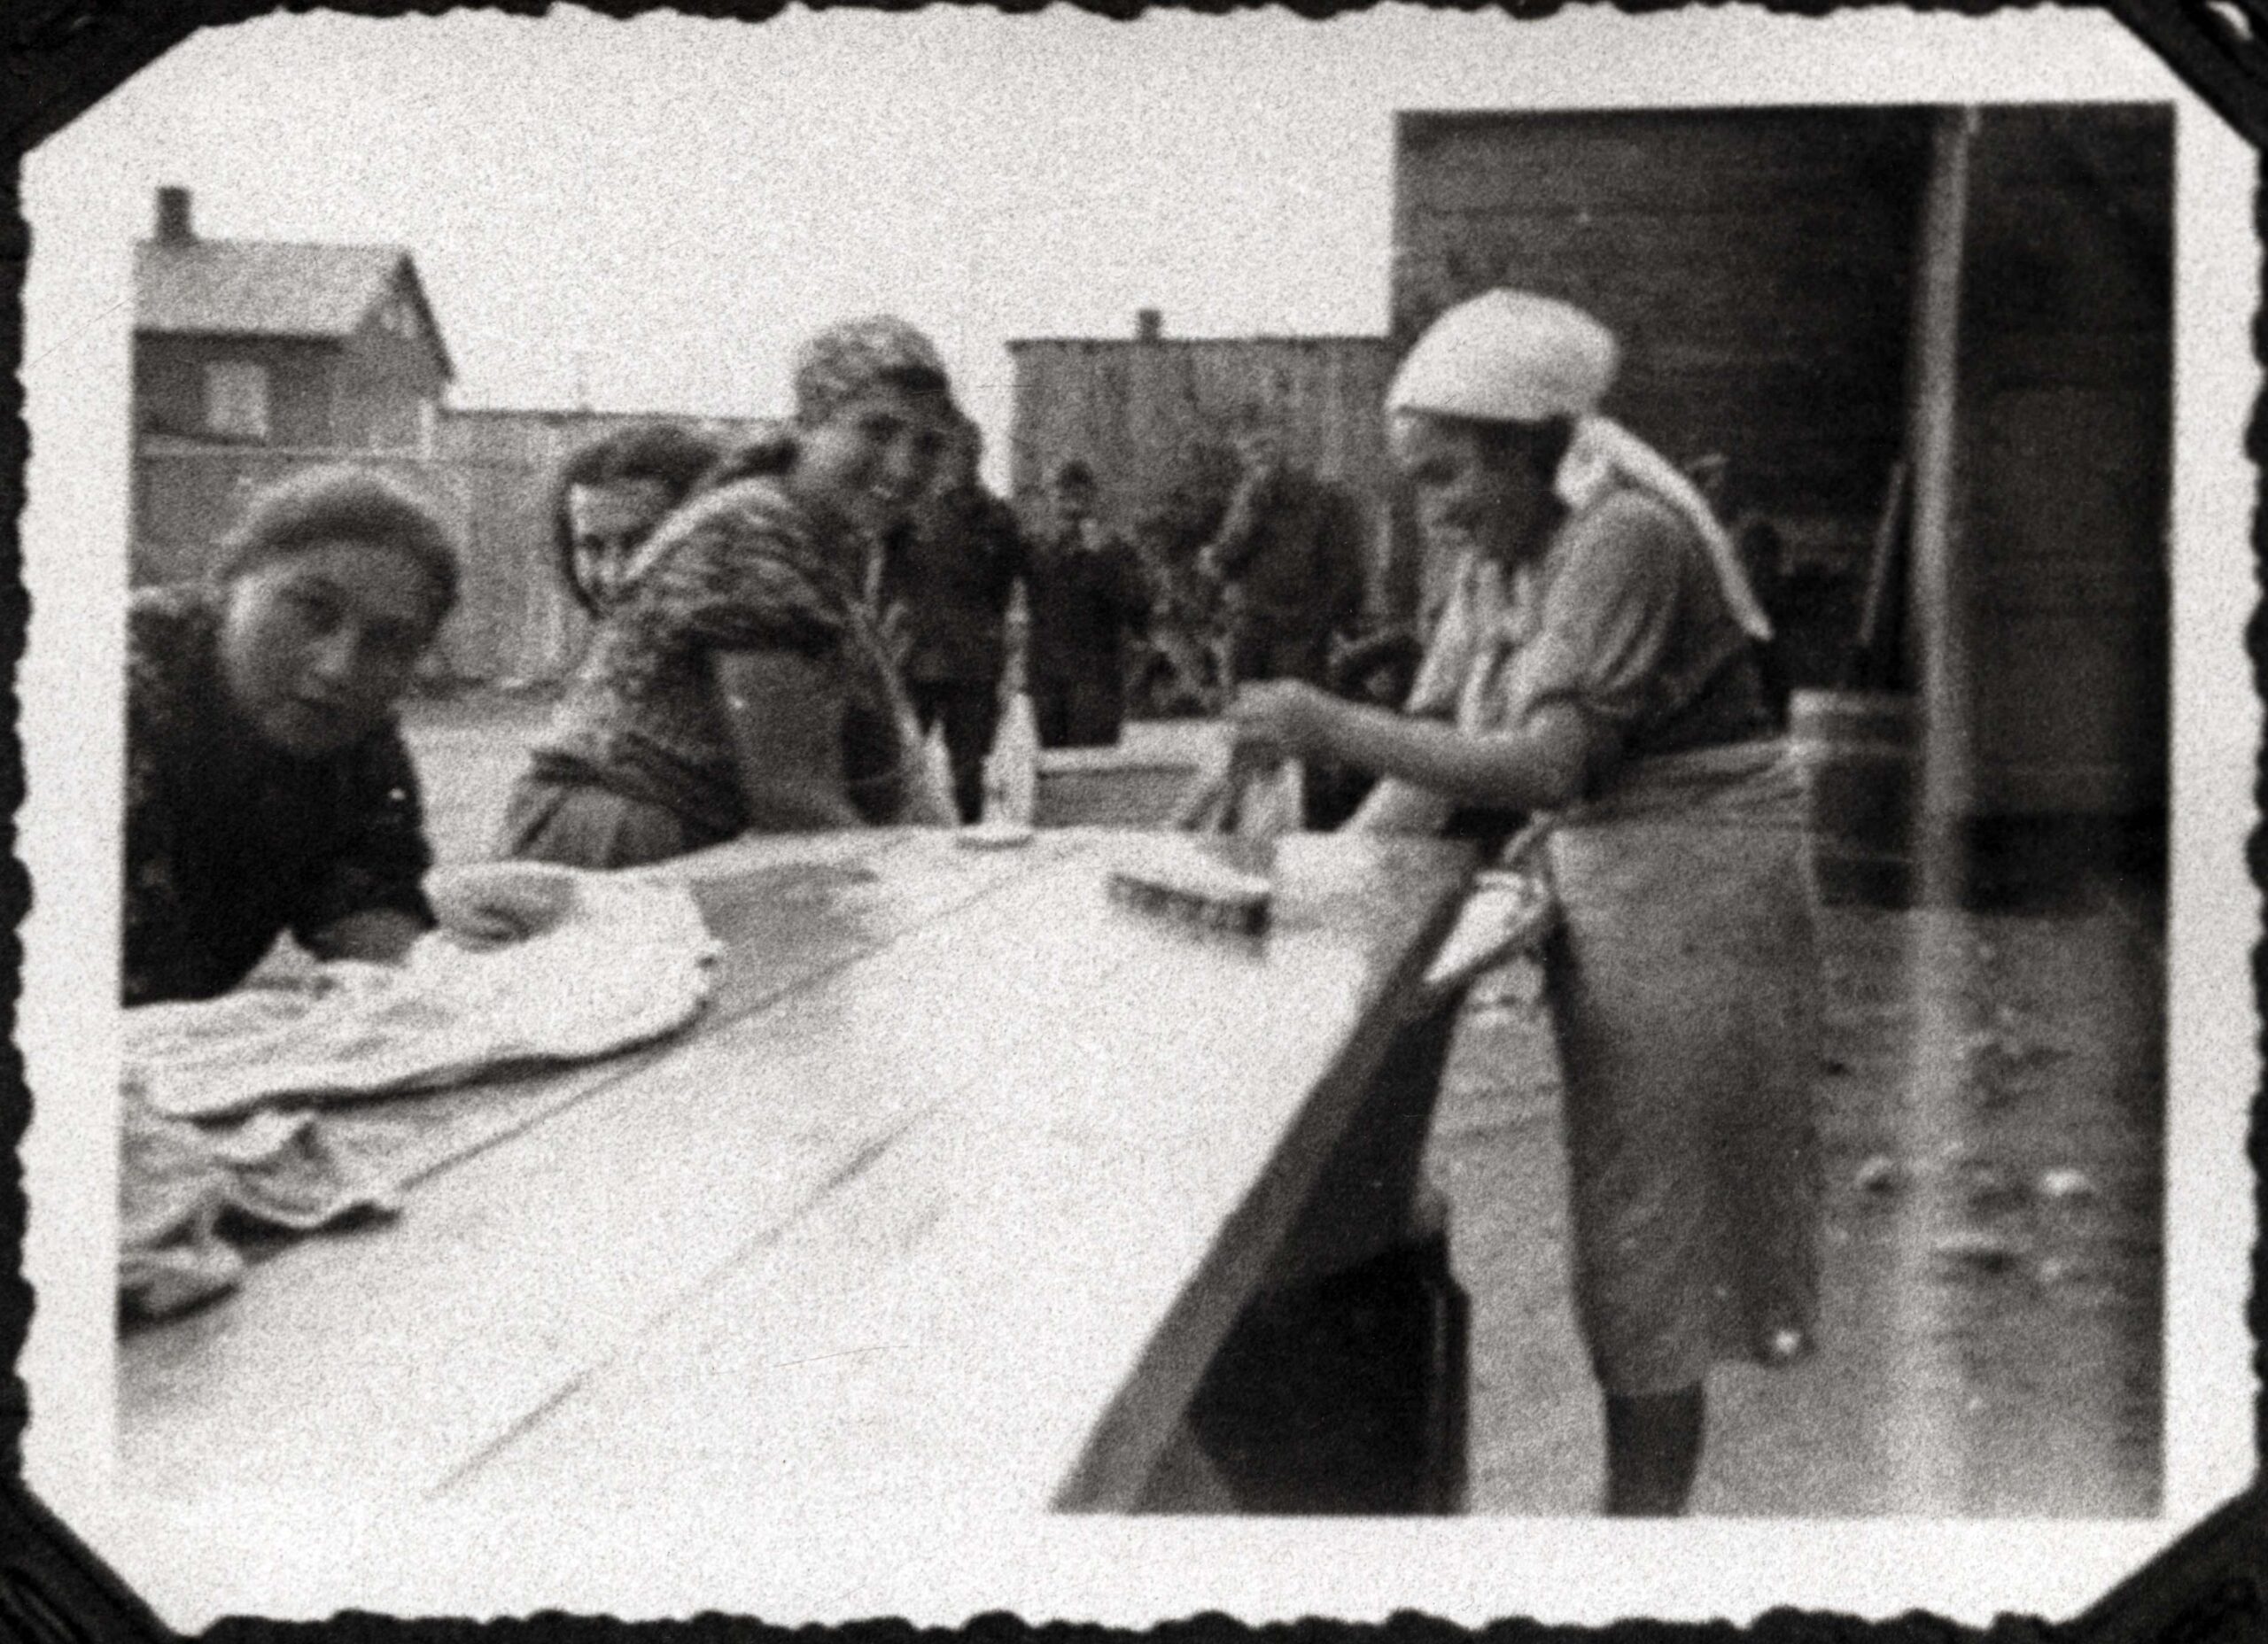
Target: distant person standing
x,y
1085,595
1179,670
947,579
1289,557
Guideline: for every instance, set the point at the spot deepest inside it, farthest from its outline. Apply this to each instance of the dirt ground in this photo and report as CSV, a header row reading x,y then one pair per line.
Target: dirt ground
x,y
1991,1103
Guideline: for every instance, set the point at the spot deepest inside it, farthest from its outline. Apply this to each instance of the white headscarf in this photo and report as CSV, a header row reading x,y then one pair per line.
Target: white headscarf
x,y
1509,356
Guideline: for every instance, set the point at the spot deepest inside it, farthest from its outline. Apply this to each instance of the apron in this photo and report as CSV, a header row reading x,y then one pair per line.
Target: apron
x,y
1682,980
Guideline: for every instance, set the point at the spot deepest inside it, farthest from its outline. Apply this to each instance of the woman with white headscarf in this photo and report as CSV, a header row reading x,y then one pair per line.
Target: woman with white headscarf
x,y
1595,667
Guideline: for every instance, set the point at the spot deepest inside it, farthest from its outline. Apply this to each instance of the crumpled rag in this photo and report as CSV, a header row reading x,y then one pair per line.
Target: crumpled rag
x,y
179,1181
218,1126
628,963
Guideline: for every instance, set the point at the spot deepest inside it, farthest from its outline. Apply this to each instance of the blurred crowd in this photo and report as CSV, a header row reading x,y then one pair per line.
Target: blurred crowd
x,y
1247,566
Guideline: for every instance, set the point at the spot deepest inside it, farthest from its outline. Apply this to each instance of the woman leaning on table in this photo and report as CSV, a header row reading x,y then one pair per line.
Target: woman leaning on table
x,y
1595,665
267,787
741,683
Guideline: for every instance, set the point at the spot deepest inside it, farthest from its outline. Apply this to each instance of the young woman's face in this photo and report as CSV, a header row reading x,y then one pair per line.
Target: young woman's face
x,y
317,647
872,459
1472,494
605,525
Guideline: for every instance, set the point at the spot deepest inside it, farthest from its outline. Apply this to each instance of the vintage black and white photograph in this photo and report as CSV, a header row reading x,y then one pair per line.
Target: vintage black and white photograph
x,y
964,811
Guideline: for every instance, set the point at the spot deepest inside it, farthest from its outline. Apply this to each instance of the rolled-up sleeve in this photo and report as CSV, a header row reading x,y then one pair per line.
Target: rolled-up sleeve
x,y
1610,618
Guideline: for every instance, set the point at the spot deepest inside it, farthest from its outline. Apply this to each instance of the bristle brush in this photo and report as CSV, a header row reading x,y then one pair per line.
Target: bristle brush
x,y
1176,876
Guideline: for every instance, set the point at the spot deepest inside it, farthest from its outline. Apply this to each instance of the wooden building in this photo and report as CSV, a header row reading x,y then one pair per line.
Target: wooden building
x,y
1813,294
253,357
2061,458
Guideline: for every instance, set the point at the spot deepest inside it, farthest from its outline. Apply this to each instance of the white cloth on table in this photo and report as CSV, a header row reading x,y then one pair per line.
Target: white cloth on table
x,y
179,1181
628,962
217,1125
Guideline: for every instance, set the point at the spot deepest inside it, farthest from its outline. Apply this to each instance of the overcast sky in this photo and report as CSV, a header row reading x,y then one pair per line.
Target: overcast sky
x,y
649,214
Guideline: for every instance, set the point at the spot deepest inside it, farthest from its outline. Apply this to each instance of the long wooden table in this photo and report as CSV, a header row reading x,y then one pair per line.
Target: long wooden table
x,y
954,1188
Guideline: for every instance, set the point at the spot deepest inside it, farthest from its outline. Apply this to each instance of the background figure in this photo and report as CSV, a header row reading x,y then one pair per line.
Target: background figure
x,y
1762,551
1085,596
946,578
609,496
1181,666
266,787
1290,558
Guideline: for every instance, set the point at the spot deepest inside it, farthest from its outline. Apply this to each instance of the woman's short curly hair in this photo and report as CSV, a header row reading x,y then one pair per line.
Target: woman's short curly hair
x,y
669,454
329,505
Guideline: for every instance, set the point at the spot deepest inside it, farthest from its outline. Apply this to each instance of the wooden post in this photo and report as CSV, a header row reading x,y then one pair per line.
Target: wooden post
x,y
1934,1117
1938,590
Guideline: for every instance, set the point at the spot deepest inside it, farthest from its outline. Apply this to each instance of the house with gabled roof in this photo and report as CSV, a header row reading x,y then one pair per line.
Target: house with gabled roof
x,y
292,345
252,358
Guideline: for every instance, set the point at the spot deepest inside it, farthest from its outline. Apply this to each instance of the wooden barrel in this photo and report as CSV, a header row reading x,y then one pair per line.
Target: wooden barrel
x,y
1858,753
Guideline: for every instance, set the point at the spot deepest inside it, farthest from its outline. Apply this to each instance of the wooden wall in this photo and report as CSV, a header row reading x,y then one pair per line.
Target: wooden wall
x,y
1755,263
2064,467
1759,267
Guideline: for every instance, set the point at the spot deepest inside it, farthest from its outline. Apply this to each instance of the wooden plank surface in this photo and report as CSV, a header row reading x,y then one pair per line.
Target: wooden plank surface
x,y
1016,1297
913,1225
866,889
343,1310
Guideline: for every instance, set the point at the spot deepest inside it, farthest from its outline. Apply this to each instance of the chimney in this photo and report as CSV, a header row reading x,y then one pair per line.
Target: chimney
x,y
173,216
1149,325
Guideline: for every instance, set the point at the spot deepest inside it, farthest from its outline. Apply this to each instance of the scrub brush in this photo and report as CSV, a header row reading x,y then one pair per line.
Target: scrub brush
x,y
1176,875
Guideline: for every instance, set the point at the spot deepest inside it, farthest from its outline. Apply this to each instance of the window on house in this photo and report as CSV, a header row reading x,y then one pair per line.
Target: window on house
x,y
236,399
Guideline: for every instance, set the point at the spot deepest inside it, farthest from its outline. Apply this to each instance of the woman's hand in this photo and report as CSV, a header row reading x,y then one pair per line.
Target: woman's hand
x,y
1203,805
485,905
375,936
1283,718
